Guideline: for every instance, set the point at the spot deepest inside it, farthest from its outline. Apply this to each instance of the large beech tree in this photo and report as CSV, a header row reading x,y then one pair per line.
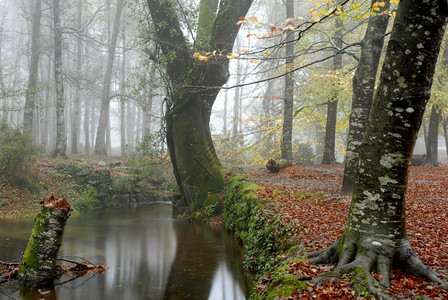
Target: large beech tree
x,y
193,88
375,233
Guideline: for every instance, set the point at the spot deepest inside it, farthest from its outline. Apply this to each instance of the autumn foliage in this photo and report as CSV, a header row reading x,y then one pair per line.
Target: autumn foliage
x,y
309,199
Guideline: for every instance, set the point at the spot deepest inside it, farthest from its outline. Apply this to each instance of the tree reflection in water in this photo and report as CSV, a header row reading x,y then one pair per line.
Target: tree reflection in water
x,y
149,256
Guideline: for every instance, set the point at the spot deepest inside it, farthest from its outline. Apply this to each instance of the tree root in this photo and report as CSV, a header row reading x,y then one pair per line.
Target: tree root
x,y
359,261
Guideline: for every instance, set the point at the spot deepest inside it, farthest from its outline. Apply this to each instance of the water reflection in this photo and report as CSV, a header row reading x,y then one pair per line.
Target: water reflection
x,y
149,256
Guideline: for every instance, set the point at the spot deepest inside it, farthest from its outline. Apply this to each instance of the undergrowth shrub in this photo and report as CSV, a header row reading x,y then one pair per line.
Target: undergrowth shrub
x,y
305,154
17,154
149,164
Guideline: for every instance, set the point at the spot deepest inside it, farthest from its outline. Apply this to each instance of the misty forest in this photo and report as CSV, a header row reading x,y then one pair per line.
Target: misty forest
x,y
223,149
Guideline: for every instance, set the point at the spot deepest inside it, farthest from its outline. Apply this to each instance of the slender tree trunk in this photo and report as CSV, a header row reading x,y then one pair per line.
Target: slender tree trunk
x,y
122,99
329,157
224,117
236,103
375,233
130,132
445,133
61,139
431,159
288,108
31,90
363,89
100,142
3,96
76,105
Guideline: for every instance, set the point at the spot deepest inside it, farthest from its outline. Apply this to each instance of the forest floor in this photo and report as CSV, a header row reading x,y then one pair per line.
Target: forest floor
x,y
309,199
22,201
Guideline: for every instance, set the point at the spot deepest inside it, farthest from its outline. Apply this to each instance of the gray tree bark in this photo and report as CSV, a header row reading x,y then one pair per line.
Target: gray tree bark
x,y
122,91
31,90
77,100
363,89
375,233
329,157
431,159
286,145
100,142
61,138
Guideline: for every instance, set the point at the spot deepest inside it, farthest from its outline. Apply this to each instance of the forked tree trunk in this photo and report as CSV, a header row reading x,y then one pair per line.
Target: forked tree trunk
x,y
375,233
100,142
363,89
39,259
195,163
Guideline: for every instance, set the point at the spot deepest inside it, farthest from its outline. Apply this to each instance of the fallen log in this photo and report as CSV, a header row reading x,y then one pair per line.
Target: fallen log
x,y
39,259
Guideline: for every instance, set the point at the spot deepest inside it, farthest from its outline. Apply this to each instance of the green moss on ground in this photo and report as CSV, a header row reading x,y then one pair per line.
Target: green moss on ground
x,y
266,242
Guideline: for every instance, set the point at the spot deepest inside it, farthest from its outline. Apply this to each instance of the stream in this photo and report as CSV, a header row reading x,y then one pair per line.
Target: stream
x,y
149,255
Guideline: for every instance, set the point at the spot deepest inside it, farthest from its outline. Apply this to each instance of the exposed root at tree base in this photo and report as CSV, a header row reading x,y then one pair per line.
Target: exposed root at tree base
x,y
359,262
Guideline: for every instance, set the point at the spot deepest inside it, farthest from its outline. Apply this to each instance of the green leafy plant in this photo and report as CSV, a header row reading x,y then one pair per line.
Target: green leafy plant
x,y
17,154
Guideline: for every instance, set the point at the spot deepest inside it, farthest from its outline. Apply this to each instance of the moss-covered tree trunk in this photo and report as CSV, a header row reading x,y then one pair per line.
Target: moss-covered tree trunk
x,y
375,233
39,259
193,90
363,89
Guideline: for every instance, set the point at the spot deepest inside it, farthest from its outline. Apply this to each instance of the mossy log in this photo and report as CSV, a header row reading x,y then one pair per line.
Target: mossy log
x,y
39,260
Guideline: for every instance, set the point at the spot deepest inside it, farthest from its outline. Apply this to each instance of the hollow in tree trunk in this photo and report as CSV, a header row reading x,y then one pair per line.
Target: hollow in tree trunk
x,y
375,234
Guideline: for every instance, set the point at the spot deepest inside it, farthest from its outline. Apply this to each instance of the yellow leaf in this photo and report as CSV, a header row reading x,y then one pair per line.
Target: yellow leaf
x,y
318,4
290,27
354,6
253,19
343,15
241,22
311,10
232,55
375,4
382,4
267,53
394,14
254,61
244,50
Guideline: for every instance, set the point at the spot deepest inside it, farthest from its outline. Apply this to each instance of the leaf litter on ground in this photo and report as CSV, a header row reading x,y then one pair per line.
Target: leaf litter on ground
x,y
309,198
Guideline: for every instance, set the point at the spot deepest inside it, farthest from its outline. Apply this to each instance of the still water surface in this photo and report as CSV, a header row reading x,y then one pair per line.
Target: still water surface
x,y
149,254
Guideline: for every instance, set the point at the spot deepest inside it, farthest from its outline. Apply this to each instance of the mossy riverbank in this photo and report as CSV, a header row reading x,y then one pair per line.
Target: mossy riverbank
x,y
268,245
